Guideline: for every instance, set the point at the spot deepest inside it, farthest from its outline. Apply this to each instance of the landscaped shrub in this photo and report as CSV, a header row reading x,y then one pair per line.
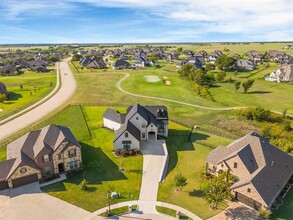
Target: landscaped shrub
x,y
202,91
255,114
131,153
83,185
124,152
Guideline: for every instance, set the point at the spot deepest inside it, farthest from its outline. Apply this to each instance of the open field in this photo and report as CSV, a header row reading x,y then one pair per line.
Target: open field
x,y
35,87
101,167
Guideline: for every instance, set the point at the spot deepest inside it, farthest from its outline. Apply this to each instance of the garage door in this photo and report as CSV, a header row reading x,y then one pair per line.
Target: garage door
x,y
24,180
248,201
3,185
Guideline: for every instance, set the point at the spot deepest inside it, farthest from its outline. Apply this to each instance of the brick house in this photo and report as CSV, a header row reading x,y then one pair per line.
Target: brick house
x,y
40,154
262,169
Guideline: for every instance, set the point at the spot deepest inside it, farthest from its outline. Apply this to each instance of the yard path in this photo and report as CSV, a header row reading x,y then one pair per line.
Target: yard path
x,y
170,100
38,111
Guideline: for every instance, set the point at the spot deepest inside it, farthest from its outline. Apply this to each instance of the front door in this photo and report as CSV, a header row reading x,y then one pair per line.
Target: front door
x,y
61,167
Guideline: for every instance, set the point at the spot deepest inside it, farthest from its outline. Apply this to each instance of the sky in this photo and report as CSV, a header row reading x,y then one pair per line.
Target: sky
x,y
144,21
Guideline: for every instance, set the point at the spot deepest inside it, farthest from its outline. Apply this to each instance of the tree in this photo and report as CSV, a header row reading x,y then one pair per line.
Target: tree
x,y
237,85
53,58
247,85
186,69
2,97
219,77
225,62
76,57
209,66
21,86
83,185
284,113
179,50
153,57
180,181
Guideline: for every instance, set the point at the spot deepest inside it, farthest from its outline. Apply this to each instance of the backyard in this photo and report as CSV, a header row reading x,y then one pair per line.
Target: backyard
x,y
25,90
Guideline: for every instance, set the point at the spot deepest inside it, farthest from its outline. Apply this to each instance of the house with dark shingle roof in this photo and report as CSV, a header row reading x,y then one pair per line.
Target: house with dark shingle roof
x,y
121,64
245,65
262,169
93,62
140,123
3,89
39,154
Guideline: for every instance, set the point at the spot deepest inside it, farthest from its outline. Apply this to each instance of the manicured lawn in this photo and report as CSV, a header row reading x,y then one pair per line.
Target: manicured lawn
x,y
286,211
101,167
170,212
35,87
188,158
2,153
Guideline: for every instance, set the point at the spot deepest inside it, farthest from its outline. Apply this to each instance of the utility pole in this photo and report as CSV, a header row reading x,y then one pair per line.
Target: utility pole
x,y
191,130
109,201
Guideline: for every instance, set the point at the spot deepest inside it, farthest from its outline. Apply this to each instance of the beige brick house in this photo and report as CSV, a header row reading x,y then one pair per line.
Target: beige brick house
x,y
39,154
262,169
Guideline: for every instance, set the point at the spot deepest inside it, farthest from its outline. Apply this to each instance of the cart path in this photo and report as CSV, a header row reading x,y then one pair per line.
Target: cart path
x,y
170,100
39,111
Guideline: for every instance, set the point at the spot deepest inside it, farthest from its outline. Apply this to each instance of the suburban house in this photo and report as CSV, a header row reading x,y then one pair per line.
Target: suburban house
x,y
140,123
283,74
40,154
245,65
3,89
8,69
262,169
140,61
93,62
193,60
121,64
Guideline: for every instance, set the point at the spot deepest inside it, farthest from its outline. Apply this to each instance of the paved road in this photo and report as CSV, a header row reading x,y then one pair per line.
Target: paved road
x,y
65,92
30,203
169,100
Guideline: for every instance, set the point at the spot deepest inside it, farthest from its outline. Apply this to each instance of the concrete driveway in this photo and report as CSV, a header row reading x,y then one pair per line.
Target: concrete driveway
x,y
30,203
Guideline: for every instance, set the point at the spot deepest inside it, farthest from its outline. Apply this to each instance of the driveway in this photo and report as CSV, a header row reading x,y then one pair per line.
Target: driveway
x,y
30,203
153,162
65,92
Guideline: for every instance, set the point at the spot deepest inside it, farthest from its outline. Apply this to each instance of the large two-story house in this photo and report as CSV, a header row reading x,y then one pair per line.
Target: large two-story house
x,y
39,154
140,123
262,169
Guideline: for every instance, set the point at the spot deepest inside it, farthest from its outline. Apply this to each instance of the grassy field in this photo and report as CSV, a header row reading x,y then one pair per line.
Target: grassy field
x,y
285,212
180,151
35,87
101,167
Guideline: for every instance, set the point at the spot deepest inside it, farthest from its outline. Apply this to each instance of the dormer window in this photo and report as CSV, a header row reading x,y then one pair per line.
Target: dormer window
x,y
143,125
235,165
72,153
136,118
23,170
248,190
126,134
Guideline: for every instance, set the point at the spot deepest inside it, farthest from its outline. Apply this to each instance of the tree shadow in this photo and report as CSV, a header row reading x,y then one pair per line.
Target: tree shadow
x,y
259,92
241,212
198,137
12,96
196,193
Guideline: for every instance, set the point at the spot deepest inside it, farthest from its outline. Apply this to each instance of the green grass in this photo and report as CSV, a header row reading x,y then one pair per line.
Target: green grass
x,y
2,153
101,167
286,211
170,212
35,87
188,158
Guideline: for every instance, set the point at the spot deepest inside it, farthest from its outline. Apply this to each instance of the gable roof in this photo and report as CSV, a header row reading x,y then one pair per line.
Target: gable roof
x,y
269,167
128,127
114,115
120,63
5,167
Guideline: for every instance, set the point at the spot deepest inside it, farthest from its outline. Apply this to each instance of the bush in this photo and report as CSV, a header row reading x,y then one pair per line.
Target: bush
x,y
202,91
83,185
255,114
264,214
131,153
124,152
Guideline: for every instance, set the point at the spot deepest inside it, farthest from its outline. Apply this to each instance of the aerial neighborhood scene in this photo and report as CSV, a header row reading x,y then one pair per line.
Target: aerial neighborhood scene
x,y
146,110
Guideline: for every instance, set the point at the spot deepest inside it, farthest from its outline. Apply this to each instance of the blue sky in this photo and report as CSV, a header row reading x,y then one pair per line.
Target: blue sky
x,y
144,21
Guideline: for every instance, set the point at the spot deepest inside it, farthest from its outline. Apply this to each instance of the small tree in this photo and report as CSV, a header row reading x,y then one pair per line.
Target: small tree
x,y
179,50
2,97
264,214
83,185
247,85
21,86
237,85
180,181
214,193
284,113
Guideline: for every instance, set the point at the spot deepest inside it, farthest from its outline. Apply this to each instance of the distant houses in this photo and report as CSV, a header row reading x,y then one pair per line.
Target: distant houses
x,y
245,65
121,64
9,70
93,62
282,74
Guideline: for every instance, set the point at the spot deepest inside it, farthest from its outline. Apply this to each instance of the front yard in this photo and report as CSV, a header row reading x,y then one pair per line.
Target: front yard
x,y
101,167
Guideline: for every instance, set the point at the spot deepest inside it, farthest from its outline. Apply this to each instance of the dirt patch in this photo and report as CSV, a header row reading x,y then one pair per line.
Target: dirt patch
x,y
152,78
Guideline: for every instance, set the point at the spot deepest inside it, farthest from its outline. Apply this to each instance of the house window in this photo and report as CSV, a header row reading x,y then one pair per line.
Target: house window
x,y
23,170
136,118
46,158
72,153
126,144
152,125
222,165
235,165
47,170
143,125
59,156
248,190
143,135
126,134
73,165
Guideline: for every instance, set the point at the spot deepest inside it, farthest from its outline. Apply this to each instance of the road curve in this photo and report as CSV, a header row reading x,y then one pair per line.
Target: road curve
x,y
67,89
170,100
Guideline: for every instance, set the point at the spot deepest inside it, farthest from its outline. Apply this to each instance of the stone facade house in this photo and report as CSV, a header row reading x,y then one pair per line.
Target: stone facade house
x,y
283,74
140,123
40,154
262,169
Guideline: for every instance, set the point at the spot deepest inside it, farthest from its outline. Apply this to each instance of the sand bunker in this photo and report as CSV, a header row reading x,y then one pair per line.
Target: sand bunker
x,y
152,78
167,82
